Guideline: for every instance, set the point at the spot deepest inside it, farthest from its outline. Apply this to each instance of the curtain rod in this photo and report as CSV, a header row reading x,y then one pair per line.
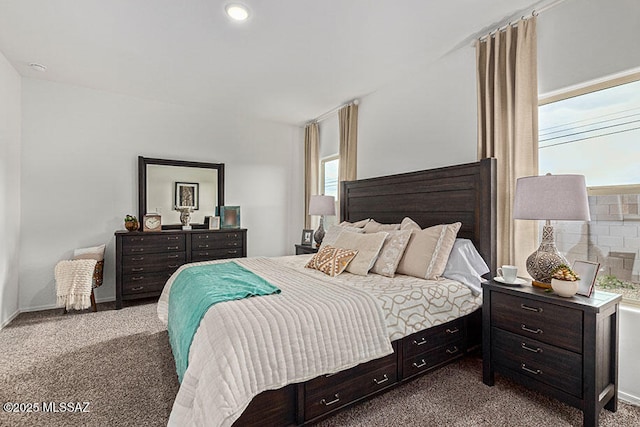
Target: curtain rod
x,y
534,12
333,111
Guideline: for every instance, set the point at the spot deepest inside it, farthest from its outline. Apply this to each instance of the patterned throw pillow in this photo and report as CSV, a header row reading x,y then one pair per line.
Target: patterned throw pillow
x,y
331,261
391,253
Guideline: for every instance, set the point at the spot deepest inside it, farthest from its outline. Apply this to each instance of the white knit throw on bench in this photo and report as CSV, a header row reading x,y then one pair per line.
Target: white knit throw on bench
x,y
73,283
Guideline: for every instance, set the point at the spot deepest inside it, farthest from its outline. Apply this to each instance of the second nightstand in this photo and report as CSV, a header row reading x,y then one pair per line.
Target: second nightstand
x,y
562,347
303,249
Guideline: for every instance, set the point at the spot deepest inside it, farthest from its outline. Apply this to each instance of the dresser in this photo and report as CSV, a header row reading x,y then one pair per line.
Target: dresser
x,y
566,348
145,260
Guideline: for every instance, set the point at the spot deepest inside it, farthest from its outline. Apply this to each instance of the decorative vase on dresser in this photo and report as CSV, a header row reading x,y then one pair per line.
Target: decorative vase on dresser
x,y
146,260
566,348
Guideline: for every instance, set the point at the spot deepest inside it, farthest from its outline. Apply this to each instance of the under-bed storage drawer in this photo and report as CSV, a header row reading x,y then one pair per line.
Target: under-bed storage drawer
x,y
328,392
433,347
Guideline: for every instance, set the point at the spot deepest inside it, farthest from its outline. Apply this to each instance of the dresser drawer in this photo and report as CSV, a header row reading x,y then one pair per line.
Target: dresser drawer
x,y
434,337
217,238
325,394
135,245
552,365
146,263
142,283
207,255
416,364
549,323
215,244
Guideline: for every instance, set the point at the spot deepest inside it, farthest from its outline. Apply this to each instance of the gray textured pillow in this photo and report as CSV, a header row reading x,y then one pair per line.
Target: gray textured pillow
x,y
334,231
374,226
428,250
391,253
357,224
368,247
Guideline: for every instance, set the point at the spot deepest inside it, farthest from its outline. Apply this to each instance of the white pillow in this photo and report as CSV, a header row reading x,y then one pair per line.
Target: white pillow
x,y
334,231
95,252
368,247
466,265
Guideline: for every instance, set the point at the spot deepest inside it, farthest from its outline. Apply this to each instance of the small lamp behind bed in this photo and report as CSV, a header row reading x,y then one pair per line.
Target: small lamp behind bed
x,y
321,205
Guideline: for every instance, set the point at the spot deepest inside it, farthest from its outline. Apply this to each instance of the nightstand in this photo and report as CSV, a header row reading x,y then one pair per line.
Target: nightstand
x,y
566,348
303,249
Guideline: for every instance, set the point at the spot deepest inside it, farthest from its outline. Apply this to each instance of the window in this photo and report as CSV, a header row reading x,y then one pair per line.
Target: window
x,y
595,132
329,176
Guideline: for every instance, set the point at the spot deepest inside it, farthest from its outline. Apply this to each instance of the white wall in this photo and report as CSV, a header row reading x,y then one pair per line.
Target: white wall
x,y
79,174
9,189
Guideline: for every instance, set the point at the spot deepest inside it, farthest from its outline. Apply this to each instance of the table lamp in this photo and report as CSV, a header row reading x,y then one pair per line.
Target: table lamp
x,y
321,205
549,197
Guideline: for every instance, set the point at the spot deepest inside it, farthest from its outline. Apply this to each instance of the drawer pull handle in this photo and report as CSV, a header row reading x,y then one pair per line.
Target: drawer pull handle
x,y
173,238
137,269
533,331
172,248
137,250
138,288
232,252
453,331
384,379
336,399
137,278
231,236
139,258
422,364
535,309
534,350
454,350
203,246
172,256
531,371
173,265
330,375
203,237
421,342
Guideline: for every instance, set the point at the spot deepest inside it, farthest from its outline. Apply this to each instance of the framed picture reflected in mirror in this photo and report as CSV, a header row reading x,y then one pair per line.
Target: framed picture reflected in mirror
x,y
230,216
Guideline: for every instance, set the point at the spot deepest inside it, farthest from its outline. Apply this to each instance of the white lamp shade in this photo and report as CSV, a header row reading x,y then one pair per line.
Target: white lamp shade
x,y
551,197
322,205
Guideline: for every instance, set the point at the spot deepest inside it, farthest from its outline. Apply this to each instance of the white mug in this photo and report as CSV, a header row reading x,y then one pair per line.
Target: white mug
x,y
509,273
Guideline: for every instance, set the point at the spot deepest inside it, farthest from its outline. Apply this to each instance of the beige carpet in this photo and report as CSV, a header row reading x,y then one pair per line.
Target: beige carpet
x,y
120,362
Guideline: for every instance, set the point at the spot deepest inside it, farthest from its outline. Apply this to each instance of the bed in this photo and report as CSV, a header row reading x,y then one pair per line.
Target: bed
x,y
367,344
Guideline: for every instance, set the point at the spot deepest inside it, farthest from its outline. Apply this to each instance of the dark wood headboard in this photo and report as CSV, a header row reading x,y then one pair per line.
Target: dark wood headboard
x,y
465,193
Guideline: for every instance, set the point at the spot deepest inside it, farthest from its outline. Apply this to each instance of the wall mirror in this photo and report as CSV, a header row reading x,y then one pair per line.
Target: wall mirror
x,y
164,184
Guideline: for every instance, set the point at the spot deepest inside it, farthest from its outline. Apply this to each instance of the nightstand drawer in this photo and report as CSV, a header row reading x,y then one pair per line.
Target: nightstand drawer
x,y
552,365
549,323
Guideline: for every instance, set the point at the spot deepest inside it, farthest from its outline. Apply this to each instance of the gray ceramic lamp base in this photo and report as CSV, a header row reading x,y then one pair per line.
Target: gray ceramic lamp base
x,y
542,262
318,236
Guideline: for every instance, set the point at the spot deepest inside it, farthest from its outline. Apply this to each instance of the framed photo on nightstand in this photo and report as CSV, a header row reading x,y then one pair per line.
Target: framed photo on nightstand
x,y
587,271
307,237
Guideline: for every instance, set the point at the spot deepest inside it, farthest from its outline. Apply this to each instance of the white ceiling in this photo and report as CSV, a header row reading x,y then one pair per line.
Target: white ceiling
x,y
291,61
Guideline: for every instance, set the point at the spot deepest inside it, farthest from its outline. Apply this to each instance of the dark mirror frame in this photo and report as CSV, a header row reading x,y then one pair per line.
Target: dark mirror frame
x,y
142,183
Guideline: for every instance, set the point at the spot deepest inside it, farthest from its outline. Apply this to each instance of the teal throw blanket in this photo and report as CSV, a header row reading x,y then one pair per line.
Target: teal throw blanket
x,y
197,288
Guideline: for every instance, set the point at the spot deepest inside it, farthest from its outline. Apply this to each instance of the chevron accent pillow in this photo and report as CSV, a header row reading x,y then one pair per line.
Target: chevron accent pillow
x,y
331,261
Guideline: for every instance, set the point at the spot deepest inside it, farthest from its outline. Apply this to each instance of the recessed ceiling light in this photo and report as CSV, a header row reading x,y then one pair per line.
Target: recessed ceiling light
x,y
38,67
237,12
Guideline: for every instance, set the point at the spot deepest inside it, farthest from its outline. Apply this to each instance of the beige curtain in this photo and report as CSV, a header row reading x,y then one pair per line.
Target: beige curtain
x,y
508,128
347,169
311,165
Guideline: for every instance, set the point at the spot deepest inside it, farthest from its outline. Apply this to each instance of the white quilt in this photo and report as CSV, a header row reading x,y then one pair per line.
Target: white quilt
x,y
245,347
